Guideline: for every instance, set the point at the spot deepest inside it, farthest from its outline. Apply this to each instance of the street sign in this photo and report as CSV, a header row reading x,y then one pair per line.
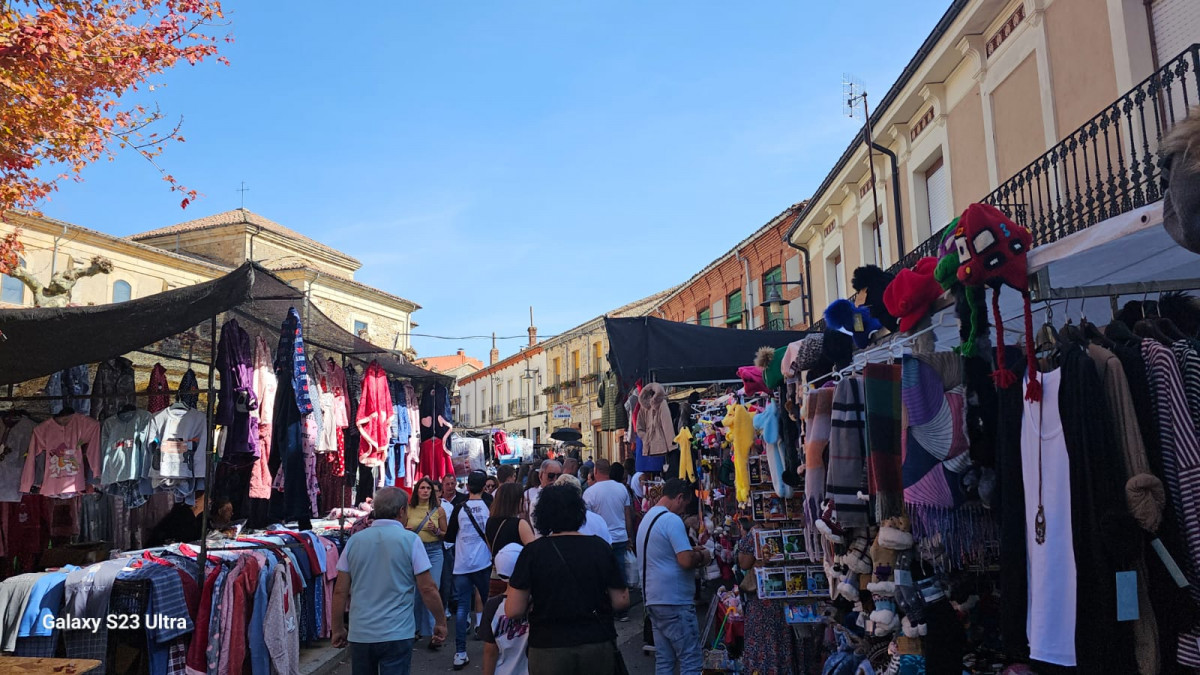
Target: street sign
x,y
562,412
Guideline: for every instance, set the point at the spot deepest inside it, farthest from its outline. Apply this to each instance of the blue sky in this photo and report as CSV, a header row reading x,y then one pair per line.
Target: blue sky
x,y
479,158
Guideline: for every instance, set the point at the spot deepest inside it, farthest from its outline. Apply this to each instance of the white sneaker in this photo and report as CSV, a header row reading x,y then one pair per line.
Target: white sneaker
x,y
461,660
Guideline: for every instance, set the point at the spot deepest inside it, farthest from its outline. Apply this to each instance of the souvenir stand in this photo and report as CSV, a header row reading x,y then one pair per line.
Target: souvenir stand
x,y
144,440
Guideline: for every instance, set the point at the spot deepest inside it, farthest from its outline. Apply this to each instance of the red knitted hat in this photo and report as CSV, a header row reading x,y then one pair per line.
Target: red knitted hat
x,y
912,292
992,250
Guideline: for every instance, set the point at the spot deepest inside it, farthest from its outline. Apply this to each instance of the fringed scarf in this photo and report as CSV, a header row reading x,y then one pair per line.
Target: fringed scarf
x,y
846,475
817,410
882,384
935,458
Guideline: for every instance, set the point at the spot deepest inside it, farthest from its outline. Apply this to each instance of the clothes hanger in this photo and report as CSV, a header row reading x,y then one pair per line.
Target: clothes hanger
x,y
1148,328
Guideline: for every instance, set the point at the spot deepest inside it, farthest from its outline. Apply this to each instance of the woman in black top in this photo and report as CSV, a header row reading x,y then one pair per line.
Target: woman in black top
x,y
569,584
505,526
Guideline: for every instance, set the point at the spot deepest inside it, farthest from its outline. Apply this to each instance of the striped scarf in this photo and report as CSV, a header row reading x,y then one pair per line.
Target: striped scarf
x,y
882,384
845,474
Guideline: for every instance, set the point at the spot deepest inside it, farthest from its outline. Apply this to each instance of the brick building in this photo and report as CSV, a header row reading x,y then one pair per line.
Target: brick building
x,y
729,290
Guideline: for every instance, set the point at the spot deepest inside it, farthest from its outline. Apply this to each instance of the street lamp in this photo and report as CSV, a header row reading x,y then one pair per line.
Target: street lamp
x,y
774,302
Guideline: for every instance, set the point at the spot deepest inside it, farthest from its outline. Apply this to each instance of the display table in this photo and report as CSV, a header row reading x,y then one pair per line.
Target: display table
x,y
20,665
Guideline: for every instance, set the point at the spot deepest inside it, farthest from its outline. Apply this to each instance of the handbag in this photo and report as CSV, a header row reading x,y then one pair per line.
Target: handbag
x,y
619,667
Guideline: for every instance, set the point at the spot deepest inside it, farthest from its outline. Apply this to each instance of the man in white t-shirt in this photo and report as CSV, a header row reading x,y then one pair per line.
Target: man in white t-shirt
x,y
472,560
610,499
504,639
593,525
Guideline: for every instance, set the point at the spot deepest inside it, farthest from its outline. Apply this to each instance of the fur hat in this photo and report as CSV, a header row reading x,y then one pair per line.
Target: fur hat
x,y
837,347
912,293
884,619
993,250
875,281
752,378
857,322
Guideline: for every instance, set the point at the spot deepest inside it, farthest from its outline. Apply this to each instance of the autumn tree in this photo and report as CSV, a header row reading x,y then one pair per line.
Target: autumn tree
x,y
66,69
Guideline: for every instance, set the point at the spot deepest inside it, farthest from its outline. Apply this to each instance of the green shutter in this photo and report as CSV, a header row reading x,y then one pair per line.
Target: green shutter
x,y
733,312
705,317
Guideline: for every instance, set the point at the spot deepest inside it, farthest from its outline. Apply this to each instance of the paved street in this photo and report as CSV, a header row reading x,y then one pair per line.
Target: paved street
x,y
629,637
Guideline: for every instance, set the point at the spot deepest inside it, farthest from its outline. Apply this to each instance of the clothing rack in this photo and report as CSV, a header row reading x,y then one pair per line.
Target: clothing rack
x,y
862,358
137,394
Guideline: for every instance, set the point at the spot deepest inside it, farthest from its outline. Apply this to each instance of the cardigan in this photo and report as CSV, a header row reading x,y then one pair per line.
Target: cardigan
x,y
654,421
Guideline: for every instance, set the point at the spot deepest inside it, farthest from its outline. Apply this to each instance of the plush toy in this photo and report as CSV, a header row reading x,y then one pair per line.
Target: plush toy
x,y
827,524
912,293
842,316
874,280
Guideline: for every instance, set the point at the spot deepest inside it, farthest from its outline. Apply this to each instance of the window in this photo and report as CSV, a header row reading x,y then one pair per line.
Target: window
x,y
557,370
835,275
705,317
122,291
11,289
771,283
733,313
938,196
875,245
597,357
360,328
575,364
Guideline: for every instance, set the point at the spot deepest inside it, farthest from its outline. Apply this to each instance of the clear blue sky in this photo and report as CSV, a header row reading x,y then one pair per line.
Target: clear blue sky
x,y
479,158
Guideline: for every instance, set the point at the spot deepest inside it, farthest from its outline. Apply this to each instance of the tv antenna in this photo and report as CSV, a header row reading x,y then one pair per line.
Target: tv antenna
x,y
854,94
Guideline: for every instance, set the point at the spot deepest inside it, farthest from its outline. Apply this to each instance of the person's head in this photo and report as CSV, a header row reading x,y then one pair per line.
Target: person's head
x,y
570,466
475,483
391,503
534,479
507,501
560,508
505,474
490,485
587,475
550,472
603,469
424,492
676,496
223,509
506,560
568,479
449,486
617,473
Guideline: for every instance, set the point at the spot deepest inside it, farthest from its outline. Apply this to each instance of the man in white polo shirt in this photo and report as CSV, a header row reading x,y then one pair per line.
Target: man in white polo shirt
x,y
381,567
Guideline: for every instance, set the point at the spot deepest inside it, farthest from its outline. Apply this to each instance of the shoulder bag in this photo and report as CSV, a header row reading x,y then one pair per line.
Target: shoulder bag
x,y
619,667
646,552
424,521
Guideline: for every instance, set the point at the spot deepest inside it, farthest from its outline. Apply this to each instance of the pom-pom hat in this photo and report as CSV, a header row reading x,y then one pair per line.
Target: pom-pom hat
x,y
912,293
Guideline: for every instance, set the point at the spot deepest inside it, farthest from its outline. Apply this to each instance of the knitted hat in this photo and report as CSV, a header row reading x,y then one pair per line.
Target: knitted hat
x,y
912,292
752,378
844,317
992,250
803,354
837,347
772,372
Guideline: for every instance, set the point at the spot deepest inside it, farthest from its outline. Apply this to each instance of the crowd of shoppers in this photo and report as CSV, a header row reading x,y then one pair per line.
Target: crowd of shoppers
x,y
539,572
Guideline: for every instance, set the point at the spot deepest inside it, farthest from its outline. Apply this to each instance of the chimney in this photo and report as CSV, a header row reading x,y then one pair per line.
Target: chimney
x,y
461,352
532,329
495,353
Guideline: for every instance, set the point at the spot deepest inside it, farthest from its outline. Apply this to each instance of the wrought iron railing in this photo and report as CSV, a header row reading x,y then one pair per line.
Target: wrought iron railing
x,y
1106,167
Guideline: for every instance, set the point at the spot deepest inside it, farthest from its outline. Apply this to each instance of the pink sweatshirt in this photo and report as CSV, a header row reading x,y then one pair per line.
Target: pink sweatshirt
x,y
67,444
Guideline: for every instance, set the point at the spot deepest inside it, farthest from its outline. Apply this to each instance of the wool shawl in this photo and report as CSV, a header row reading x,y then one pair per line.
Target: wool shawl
x,y
818,408
845,474
1180,454
882,384
374,419
654,420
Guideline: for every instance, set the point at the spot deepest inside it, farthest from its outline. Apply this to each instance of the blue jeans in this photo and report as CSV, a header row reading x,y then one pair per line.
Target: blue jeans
x,y
374,658
465,586
619,550
676,639
424,619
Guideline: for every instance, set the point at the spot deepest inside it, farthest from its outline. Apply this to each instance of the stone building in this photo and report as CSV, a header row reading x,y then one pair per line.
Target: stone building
x,y
203,249
507,394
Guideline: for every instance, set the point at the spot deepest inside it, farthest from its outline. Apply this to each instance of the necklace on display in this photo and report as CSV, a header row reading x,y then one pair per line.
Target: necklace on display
x,y
1039,522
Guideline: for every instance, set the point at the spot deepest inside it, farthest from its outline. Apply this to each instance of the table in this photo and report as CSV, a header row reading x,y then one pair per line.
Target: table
x,y
21,665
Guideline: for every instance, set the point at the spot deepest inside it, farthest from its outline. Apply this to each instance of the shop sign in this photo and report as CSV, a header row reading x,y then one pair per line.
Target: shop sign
x,y
562,412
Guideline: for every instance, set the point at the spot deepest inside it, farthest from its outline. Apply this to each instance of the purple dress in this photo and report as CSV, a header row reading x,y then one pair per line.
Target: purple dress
x,y
235,363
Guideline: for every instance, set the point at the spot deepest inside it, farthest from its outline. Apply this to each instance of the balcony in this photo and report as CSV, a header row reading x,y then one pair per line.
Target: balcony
x,y
1106,167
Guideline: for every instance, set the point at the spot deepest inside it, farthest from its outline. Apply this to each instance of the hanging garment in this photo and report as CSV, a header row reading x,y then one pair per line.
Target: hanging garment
x,y
767,424
500,446
159,390
236,400
412,408
654,420
881,384
15,432
1188,360
287,464
1046,470
113,387
265,385
125,441
612,410
435,459
189,389
178,451
70,447
687,466
71,387
291,361
1180,456
435,415
818,409
374,417
740,424
845,473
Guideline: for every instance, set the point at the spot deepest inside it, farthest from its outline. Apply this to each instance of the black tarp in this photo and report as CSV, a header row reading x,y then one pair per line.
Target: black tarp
x,y
44,340
657,350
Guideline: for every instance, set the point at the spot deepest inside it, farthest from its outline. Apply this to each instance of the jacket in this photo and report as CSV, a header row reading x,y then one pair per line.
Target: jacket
x,y
654,421
374,419
613,416
112,388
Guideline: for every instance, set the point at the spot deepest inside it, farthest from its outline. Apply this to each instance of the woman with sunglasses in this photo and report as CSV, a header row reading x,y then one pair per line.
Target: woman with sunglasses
x,y
490,485
428,520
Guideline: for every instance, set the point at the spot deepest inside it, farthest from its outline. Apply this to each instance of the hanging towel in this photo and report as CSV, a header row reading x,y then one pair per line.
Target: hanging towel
x,y
846,475
882,384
